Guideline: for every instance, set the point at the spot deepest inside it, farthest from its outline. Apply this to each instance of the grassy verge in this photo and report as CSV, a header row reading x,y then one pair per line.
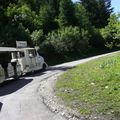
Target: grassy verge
x,y
93,87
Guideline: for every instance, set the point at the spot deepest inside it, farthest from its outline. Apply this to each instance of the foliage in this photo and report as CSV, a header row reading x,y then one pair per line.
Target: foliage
x,y
99,11
81,15
37,37
111,33
96,39
12,32
68,39
93,87
66,16
46,18
53,24
21,14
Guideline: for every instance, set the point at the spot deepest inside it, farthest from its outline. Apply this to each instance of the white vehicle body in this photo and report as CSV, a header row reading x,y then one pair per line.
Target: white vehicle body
x,y
12,71
25,59
2,75
29,60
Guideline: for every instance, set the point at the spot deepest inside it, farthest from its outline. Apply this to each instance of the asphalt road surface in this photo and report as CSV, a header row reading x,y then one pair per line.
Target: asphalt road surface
x,y
20,100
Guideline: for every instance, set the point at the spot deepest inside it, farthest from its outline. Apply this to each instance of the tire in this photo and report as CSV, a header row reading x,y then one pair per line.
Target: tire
x,y
44,67
16,77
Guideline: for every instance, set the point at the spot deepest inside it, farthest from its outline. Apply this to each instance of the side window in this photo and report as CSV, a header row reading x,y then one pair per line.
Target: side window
x,y
22,54
32,52
14,55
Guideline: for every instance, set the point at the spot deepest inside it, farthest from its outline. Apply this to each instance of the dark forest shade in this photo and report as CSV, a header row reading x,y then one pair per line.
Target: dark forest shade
x,y
99,11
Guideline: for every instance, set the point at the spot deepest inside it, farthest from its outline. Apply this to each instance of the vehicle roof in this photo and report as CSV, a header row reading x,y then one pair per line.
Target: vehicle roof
x,y
20,49
7,49
11,49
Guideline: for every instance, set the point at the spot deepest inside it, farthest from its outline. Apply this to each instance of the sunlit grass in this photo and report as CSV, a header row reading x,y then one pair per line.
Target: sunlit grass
x,y
93,87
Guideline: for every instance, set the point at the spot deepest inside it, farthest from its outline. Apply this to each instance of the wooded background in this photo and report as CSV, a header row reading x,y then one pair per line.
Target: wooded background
x,y
62,30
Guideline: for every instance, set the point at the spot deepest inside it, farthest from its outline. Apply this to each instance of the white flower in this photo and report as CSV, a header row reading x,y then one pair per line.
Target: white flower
x,y
106,87
92,83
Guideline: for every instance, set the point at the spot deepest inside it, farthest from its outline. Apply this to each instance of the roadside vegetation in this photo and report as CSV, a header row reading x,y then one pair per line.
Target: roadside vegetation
x,y
62,30
93,88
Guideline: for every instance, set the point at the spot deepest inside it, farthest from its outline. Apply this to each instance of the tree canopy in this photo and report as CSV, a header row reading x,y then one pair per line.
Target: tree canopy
x,y
99,11
61,25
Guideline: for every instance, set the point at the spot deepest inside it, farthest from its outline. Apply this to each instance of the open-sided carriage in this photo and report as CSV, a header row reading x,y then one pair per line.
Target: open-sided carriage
x,y
18,61
8,65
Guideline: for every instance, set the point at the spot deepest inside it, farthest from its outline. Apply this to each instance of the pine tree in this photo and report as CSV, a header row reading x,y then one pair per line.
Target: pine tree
x,y
99,11
66,16
46,18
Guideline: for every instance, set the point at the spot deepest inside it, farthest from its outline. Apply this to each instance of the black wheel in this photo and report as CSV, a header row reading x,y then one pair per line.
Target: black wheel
x,y
44,67
16,77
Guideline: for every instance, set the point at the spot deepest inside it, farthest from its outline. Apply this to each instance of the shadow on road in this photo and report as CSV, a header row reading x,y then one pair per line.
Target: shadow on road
x,y
1,104
34,74
61,68
52,68
9,87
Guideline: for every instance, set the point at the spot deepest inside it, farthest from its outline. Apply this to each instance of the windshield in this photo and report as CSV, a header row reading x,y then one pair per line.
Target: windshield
x,y
14,55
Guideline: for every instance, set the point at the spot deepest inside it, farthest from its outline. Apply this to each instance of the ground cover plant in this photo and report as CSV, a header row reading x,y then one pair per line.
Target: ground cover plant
x,y
93,87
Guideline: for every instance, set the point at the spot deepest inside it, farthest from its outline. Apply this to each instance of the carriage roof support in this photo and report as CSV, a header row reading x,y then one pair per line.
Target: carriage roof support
x,y
7,49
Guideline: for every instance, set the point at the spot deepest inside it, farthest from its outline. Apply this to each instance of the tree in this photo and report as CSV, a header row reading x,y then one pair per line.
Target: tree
x,y
21,14
46,19
67,13
99,11
5,3
53,3
96,39
111,33
81,15
37,37
15,24
12,33
67,40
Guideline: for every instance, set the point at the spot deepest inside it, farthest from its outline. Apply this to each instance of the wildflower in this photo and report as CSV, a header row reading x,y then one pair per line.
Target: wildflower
x,y
106,87
92,83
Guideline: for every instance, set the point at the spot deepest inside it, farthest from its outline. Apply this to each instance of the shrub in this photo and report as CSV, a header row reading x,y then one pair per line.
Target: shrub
x,y
111,33
96,39
66,40
37,37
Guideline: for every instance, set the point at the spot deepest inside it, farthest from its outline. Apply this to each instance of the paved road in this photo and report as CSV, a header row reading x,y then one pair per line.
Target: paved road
x,y
20,100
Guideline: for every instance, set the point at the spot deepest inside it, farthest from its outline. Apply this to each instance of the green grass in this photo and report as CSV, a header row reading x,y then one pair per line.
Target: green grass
x,y
93,87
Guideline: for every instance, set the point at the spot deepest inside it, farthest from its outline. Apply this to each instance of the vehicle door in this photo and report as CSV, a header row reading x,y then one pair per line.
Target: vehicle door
x,y
32,59
2,75
39,60
22,61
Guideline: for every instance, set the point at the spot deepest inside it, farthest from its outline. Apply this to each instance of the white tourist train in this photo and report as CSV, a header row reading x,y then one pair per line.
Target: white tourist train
x,y
15,62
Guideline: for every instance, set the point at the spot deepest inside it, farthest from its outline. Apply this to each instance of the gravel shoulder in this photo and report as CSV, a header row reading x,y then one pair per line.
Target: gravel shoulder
x,y
46,91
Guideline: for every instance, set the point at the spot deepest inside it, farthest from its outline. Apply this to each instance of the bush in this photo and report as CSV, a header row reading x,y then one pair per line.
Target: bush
x,y
96,39
37,37
111,33
67,40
